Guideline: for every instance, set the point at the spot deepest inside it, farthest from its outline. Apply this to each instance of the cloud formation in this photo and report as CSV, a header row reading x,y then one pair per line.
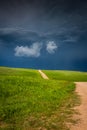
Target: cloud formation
x,y
51,47
35,49
32,51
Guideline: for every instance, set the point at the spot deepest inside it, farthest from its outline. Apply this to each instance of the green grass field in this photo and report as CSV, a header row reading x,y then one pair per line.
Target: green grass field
x,y
28,102
66,75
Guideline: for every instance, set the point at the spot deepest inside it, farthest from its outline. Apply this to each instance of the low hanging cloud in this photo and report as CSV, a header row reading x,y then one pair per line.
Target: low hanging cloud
x,y
32,51
51,47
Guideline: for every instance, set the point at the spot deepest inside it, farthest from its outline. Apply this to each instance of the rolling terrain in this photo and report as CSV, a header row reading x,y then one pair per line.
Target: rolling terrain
x,y
27,101
67,75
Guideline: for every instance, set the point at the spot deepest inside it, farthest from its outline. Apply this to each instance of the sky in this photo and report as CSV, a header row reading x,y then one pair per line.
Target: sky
x,y
44,34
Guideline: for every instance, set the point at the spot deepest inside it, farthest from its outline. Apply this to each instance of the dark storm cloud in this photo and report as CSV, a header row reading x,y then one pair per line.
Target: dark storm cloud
x,y
44,15
17,36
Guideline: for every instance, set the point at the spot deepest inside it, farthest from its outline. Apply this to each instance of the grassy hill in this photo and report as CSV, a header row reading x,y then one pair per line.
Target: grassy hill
x,y
28,102
66,75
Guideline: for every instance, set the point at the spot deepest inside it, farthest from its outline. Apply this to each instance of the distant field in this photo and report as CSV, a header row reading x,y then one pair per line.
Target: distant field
x,y
66,75
5,71
28,102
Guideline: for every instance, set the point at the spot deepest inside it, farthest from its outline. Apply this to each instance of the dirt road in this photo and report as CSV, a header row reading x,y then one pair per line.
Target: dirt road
x,y
44,76
81,89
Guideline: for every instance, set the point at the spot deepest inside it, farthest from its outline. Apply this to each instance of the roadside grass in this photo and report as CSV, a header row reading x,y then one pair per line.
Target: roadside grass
x,y
28,102
66,75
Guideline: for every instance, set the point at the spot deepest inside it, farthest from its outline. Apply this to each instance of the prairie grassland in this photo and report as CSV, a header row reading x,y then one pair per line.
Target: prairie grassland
x,y
28,102
66,75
